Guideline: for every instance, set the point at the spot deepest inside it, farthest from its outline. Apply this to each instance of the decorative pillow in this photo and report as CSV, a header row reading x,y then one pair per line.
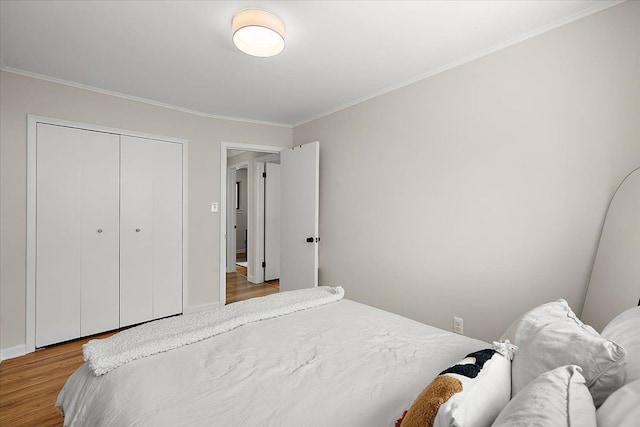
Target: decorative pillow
x,y
551,335
622,408
556,398
624,329
470,394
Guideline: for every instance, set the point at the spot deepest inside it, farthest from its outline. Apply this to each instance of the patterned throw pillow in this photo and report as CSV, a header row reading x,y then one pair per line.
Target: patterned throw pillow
x,y
471,393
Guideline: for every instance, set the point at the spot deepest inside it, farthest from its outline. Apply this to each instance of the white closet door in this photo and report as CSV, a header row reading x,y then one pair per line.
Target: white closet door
x,y
100,301
167,223
136,230
76,264
150,229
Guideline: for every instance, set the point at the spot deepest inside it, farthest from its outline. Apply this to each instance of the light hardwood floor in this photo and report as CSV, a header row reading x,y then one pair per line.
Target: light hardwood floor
x,y
30,384
239,288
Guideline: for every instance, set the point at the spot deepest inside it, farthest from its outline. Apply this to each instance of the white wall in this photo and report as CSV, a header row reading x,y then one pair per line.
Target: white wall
x,y
21,95
480,192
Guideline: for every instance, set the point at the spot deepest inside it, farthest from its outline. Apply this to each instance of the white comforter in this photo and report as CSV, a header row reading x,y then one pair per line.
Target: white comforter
x,y
167,334
341,364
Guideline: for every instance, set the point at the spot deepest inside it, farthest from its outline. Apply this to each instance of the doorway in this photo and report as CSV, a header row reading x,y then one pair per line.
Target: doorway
x,y
242,221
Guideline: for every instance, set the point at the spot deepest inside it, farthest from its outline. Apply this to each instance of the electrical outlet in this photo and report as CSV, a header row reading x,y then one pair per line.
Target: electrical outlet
x,y
458,325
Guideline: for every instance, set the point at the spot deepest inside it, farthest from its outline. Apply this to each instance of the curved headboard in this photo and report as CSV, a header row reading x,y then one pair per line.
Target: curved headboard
x,y
615,279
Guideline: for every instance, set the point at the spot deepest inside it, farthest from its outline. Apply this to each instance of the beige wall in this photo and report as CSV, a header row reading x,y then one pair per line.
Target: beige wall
x,y
21,95
480,192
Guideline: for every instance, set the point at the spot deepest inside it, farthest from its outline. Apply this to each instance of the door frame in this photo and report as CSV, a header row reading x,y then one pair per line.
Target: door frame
x,y
230,247
32,122
224,146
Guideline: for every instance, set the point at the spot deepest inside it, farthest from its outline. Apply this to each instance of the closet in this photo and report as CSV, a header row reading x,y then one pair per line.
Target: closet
x,y
108,235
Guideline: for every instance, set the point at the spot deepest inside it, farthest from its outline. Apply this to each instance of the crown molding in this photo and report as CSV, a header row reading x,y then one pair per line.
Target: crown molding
x,y
137,99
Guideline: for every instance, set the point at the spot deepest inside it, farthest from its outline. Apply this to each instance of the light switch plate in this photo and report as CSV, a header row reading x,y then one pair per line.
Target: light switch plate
x,y
214,206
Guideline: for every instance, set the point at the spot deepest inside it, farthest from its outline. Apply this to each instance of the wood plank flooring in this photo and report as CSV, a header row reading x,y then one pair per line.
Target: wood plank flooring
x,y
29,385
239,288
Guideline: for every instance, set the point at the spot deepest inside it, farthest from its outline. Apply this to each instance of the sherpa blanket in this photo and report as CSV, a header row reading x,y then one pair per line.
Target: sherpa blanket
x,y
165,334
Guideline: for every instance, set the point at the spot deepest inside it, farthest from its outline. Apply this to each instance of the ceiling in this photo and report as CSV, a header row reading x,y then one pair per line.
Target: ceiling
x,y
338,53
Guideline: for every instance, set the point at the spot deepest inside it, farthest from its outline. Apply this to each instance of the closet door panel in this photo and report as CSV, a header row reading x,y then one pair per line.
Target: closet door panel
x,y
58,241
100,299
67,161
167,225
136,230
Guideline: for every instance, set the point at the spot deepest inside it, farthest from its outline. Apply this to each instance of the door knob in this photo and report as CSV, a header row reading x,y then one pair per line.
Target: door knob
x,y
137,230
99,230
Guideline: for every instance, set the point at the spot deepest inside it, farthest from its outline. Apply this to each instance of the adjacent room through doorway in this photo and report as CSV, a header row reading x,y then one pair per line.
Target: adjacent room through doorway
x,y
252,212
282,214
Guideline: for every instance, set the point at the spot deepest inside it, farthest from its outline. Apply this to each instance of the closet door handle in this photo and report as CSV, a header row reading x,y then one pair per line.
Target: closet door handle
x,y
99,230
137,230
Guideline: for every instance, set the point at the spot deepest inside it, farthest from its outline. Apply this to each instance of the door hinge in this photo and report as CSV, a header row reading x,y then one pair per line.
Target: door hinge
x,y
264,264
264,174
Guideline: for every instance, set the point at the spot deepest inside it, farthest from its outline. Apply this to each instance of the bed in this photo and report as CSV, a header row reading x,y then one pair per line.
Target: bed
x,y
342,363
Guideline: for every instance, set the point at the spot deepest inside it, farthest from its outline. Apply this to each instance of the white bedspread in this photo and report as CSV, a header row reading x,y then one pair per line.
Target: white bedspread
x,y
162,335
341,364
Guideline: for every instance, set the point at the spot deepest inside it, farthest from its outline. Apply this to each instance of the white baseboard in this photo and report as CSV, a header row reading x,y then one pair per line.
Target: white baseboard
x,y
201,307
252,279
11,352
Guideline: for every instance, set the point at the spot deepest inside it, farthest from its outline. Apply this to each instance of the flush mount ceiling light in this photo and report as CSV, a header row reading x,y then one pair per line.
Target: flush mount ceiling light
x,y
257,32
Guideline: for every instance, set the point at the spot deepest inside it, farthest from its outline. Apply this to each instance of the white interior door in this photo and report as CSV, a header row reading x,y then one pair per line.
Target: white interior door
x,y
150,229
77,233
272,221
299,217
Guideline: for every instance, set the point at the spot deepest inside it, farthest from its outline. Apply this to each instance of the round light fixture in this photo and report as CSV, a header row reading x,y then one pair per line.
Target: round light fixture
x,y
257,32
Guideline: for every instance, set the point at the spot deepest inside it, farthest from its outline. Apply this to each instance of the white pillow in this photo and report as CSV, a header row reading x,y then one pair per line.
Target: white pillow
x,y
551,335
624,329
622,408
556,398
